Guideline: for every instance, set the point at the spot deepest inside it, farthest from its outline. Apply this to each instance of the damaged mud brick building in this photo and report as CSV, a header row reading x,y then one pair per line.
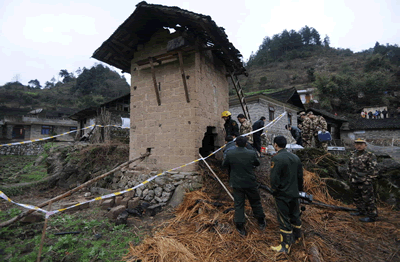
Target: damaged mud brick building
x,y
179,62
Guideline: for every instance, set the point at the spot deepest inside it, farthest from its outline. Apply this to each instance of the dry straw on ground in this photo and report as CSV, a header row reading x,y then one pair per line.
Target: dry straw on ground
x,y
202,231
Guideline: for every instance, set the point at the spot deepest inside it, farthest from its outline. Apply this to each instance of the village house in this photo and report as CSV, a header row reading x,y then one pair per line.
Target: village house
x,y
271,106
307,95
114,112
19,124
179,63
385,132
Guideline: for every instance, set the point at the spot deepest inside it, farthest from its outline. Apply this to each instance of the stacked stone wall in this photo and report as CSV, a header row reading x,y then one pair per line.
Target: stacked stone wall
x,y
159,190
35,148
390,137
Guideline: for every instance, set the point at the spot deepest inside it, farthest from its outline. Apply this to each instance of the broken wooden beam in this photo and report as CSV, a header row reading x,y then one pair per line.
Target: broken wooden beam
x,y
153,74
183,76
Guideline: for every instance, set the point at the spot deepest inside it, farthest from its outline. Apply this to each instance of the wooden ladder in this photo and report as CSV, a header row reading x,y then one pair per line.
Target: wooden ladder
x,y
240,94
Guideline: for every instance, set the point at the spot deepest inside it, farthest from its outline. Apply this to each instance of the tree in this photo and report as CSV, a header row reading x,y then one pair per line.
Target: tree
x,y
327,41
306,35
49,85
316,38
310,74
16,78
34,84
67,77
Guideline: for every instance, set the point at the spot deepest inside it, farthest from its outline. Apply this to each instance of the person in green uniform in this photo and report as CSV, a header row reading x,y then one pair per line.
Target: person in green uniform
x,y
362,171
231,126
243,181
286,183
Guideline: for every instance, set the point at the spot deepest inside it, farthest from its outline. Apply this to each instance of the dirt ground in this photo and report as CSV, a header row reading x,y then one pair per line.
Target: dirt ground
x,y
200,231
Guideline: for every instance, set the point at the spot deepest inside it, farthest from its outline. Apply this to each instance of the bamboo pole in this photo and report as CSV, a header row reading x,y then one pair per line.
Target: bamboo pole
x,y
14,219
43,235
212,171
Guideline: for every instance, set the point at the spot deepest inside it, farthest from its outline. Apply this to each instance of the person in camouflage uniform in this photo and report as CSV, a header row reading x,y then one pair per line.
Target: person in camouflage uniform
x,y
362,171
307,129
319,124
245,127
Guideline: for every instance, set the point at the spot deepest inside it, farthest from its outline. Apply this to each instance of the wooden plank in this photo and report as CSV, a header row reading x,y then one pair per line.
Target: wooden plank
x,y
183,76
153,73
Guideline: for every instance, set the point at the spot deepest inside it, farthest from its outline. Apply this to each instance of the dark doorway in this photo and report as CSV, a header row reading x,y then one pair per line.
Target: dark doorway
x,y
208,143
18,132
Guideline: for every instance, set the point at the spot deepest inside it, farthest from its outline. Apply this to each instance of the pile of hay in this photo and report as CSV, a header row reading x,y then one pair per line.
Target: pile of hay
x,y
203,230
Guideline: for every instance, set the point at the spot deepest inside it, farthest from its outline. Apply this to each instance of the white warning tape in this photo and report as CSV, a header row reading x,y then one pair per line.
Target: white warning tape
x,y
63,134
2,195
50,213
44,138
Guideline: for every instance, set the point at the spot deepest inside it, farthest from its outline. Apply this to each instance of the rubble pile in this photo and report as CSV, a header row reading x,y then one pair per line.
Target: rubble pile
x,y
203,230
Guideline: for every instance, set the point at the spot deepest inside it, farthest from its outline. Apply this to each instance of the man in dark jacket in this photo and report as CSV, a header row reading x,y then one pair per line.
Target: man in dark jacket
x,y
286,183
231,127
243,181
257,136
296,133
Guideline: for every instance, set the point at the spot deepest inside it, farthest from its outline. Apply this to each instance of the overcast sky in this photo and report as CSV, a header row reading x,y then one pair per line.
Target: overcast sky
x,y
38,38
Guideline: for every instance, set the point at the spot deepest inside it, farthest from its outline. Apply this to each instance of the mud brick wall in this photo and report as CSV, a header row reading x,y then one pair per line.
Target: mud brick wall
x,y
174,130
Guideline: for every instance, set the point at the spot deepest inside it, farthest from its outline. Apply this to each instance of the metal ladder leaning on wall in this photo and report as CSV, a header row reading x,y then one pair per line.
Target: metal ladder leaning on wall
x,y
240,94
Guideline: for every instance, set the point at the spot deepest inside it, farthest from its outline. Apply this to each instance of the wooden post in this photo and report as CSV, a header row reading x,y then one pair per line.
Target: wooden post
x,y
16,218
153,73
183,76
43,235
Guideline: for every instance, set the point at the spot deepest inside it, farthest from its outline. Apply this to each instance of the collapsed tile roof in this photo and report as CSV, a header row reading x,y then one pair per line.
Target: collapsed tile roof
x,y
118,50
289,95
94,110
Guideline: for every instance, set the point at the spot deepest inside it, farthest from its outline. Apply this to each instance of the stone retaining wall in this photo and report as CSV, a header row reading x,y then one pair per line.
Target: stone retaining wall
x,y
390,137
35,148
159,190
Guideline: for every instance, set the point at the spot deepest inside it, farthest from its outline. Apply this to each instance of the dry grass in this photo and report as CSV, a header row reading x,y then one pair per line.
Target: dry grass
x,y
202,231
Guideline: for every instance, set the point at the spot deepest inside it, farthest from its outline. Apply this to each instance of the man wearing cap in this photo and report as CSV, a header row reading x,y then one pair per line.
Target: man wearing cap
x,y
231,127
286,182
307,129
362,171
245,127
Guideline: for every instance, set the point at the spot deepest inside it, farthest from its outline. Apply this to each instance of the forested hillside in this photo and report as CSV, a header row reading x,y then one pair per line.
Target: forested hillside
x,y
87,87
345,81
